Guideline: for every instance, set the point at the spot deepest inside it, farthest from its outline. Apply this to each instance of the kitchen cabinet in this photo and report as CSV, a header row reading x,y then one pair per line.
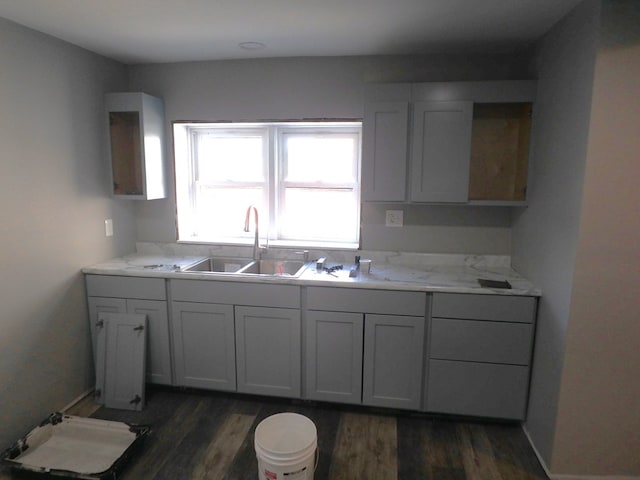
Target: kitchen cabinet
x,y
120,371
268,351
204,345
136,295
384,151
479,355
136,145
333,344
469,143
258,322
392,374
440,151
390,345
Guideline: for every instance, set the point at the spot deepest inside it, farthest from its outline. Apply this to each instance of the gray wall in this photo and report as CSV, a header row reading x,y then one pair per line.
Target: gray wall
x,y
54,199
598,422
545,234
295,88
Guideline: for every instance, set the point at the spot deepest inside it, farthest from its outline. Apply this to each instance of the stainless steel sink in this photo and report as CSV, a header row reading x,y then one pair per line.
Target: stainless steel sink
x,y
285,268
219,265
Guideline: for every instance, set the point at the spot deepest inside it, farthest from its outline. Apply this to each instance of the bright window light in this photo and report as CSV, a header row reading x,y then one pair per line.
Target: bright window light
x,y
303,177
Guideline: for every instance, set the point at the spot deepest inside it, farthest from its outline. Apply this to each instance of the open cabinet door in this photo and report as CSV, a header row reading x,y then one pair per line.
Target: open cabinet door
x,y
120,371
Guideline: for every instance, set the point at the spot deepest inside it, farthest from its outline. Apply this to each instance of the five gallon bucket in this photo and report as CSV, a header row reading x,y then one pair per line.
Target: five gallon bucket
x,y
286,447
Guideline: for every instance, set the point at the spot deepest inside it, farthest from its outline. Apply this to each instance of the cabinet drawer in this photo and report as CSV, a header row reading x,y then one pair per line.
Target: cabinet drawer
x,y
366,301
478,389
478,341
126,287
236,293
500,308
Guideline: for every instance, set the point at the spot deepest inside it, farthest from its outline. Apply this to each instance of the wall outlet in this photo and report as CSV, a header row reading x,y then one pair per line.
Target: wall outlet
x,y
395,218
108,227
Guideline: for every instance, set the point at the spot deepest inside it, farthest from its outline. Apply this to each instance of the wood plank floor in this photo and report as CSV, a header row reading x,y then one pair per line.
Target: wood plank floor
x,y
206,435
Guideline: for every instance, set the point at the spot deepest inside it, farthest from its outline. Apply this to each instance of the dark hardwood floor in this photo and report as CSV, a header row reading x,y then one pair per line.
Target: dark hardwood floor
x,y
204,435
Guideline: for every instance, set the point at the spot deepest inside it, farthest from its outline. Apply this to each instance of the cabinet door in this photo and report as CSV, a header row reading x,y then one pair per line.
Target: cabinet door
x,y
268,351
203,345
98,305
334,356
441,151
384,151
158,351
392,373
121,360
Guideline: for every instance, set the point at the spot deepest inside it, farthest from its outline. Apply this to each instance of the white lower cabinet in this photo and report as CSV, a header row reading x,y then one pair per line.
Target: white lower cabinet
x,y
478,389
147,296
203,345
369,350
461,354
237,336
393,359
333,343
479,355
268,351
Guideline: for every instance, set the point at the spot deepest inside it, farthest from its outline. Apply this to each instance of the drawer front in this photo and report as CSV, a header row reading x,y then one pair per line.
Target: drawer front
x,y
236,293
126,287
478,341
500,308
478,389
366,301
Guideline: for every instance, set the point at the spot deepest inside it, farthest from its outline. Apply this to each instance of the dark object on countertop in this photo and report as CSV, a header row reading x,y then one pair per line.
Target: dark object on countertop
x,y
320,264
494,283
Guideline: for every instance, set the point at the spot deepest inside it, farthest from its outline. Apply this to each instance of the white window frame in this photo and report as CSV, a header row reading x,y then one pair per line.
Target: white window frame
x,y
185,139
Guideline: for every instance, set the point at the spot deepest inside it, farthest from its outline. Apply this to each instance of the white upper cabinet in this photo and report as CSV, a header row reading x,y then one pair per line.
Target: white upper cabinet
x,y
469,142
440,151
136,145
384,151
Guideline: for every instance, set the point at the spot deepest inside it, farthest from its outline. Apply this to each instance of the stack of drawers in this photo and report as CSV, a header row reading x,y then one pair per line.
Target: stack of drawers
x,y
479,352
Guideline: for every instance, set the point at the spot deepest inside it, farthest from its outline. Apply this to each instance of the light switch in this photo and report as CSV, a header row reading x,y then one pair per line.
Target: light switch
x,y
108,227
394,218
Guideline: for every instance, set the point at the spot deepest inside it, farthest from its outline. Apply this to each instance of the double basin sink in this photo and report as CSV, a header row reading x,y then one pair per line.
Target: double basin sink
x,y
243,266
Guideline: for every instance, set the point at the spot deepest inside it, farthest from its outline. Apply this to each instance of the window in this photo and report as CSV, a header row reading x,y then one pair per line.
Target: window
x,y
303,178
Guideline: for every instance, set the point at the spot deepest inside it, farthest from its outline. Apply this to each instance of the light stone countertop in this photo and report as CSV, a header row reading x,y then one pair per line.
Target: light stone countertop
x,y
389,271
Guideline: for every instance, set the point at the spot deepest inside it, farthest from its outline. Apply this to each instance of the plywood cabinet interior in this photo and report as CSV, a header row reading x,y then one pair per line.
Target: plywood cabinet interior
x,y
499,151
136,145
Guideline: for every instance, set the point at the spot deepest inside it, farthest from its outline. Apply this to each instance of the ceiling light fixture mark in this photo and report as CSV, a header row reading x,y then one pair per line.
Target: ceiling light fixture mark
x,y
252,45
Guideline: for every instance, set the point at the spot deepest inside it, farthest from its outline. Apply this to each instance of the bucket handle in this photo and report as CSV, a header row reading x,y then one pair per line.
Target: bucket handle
x,y
315,466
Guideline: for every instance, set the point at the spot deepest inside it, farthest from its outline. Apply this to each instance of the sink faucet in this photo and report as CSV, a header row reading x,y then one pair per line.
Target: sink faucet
x,y
256,241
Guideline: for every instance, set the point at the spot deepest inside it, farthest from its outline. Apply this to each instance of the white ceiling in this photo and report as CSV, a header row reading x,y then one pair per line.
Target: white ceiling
x,y
151,31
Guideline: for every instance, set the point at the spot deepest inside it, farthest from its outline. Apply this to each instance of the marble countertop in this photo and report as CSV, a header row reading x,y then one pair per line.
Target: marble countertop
x,y
395,271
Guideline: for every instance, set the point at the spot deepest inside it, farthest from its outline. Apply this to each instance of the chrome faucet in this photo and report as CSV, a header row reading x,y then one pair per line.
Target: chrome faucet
x,y
256,241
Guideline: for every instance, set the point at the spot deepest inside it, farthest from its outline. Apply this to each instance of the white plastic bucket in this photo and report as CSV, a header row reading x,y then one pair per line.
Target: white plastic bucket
x,y
286,446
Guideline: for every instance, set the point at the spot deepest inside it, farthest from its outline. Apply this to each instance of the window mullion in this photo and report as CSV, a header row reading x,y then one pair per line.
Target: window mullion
x,y
273,187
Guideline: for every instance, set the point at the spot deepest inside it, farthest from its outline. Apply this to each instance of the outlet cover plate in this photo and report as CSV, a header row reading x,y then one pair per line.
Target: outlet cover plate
x,y
108,227
394,218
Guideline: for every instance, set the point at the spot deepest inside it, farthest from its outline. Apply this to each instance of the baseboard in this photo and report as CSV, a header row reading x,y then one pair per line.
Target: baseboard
x,y
535,450
77,400
560,476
